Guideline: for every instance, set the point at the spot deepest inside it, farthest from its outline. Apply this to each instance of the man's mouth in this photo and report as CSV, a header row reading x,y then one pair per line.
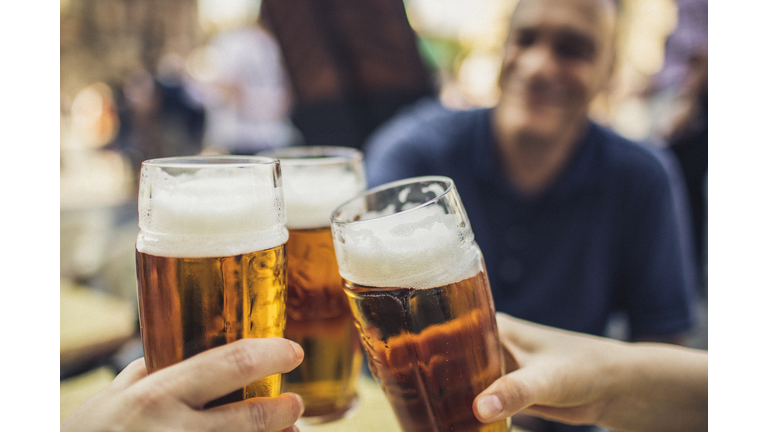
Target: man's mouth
x,y
538,93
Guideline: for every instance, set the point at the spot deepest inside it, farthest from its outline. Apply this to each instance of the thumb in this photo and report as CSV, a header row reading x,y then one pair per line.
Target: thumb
x,y
507,395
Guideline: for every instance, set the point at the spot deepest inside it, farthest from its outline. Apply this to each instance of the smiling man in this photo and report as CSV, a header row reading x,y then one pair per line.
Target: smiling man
x,y
557,57
575,222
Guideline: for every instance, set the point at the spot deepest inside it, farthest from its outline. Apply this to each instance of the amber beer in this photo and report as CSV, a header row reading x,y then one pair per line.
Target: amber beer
x,y
432,349
319,319
210,259
316,180
422,303
190,305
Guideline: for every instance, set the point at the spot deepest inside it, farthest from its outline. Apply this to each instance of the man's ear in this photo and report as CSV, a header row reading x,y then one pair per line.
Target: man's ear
x,y
611,64
610,75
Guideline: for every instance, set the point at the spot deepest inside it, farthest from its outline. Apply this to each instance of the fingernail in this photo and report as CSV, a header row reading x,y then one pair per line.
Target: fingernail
x,y
297,349
489,406
301,404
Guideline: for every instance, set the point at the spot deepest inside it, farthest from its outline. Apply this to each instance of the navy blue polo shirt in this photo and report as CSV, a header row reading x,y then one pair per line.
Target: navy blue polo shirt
x,y
603,237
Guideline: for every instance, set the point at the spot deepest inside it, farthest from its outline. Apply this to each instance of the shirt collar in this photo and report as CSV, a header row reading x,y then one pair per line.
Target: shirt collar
x,y
575,175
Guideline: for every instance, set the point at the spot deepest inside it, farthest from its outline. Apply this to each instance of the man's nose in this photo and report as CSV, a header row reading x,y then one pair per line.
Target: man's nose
x,y
538,62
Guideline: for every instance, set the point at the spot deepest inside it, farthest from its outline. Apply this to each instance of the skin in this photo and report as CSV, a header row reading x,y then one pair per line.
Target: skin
x,y
581,379
172,399
558,56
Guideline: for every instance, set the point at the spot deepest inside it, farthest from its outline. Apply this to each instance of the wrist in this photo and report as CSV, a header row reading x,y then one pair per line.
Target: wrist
x,y
655,387
619,379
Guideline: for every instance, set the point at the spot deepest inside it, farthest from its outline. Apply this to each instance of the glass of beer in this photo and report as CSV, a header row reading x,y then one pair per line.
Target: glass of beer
x,y
210,258
317,180
421,300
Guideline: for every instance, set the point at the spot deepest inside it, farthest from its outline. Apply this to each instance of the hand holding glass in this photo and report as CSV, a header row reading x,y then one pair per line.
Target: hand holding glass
x,y
420,296
210,258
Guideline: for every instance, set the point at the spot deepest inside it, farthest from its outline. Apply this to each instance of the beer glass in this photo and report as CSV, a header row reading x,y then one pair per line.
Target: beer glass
x,y
210,258
417,285
317,180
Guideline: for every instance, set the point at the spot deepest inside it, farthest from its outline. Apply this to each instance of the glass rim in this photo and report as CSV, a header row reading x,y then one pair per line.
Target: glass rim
x,y
313,155
205,161
390,185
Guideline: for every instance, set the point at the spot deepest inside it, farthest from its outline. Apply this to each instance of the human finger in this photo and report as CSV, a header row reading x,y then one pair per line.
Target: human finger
x,y
525,336
135,371
219,371
507,395
580,414
131,374
256,414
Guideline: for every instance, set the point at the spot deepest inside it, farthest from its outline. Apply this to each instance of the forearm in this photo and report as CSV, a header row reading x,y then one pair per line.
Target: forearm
x,y
658,388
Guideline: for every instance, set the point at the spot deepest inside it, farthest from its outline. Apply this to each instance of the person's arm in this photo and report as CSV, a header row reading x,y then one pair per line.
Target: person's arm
x,y
582,379
173,398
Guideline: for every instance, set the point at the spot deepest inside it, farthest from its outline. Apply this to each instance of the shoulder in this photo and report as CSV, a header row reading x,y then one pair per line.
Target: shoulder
x,y
644,182
424,139
427,124
639,163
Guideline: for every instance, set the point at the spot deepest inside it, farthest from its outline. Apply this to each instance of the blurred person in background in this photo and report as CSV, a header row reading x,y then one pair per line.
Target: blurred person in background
x,y
688,140
241,82
159,116
687,41
351,65
575,222
680,91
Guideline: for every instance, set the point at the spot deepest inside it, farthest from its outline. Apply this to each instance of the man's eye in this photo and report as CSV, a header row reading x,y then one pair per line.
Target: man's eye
x,y
575,48
525,38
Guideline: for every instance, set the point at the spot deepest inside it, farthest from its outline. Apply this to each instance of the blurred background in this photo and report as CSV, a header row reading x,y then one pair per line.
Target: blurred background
x,y
141,79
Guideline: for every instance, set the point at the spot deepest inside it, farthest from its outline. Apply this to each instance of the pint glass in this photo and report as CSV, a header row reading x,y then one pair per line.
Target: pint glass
x,y
417,285
210,258
317,180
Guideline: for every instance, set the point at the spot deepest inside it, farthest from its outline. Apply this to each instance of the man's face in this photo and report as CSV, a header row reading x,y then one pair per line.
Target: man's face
x,y
557,57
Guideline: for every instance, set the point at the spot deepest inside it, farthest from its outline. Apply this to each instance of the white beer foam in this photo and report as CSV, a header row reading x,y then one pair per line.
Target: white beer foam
x,y
313,192
421,248
205,215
